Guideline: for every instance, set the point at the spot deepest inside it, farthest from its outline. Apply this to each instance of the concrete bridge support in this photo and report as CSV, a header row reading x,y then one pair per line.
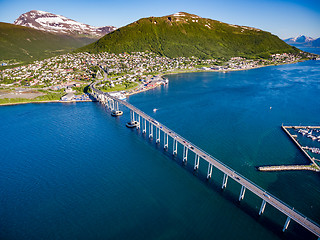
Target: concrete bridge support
x,y
196,162
175,147
263,206
225,180
138,119
286,224
131,116
165,140
243,190
144,126
185,154
158,133
150,130
209,173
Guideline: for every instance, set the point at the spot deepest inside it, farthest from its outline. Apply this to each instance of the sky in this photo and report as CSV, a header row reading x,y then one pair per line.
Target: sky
x,y
284,18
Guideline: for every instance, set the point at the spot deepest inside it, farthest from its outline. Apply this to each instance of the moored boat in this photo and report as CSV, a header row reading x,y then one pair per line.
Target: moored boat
x,y
132,124
116,113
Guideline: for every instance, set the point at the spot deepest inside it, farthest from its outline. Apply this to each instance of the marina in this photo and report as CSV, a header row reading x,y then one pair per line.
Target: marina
x,y
294,139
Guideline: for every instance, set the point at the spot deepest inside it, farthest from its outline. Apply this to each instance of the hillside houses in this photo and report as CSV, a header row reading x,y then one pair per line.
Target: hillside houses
x,y
57,72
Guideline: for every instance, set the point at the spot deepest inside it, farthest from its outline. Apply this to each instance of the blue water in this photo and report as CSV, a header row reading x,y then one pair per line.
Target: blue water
x,y
71,171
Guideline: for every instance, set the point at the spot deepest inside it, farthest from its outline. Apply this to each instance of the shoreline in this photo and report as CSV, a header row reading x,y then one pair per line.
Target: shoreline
x,y
38,102
159,74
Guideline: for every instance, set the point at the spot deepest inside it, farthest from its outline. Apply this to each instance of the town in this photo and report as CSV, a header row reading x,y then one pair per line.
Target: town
x,y
127,72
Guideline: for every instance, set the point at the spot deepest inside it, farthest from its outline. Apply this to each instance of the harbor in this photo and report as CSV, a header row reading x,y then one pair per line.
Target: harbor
x,y
303,130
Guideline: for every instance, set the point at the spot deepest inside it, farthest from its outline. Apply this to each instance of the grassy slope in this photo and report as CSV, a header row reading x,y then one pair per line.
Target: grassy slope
x,y
26,44
174,37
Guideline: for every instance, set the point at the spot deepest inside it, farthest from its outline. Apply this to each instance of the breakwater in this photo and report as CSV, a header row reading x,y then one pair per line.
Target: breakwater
x,y
288,168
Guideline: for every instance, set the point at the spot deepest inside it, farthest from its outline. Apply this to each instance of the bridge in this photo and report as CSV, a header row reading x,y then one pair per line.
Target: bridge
x,y
156,129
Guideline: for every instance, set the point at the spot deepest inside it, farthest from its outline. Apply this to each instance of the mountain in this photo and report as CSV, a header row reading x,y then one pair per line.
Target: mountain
x,y
315,42
301,39
184,34
25,44
53,23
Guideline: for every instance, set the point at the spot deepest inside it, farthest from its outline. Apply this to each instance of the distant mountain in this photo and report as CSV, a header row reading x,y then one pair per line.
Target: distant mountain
x,y
26,44
53,23
184,34
315,43
299,40
303,41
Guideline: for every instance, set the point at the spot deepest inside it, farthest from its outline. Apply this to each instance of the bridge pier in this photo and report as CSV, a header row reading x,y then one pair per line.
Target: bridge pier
x,y
138,119
196,162
131,116
286,224
165,140
107,102
112,104
263,206
175,147
243,190
144,126
150,130
158,133
185,154
209,173
117,106
225,180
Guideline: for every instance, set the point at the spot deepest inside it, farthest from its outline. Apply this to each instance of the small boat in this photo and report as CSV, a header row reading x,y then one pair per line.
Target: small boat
x,y
154,110
132,124
122,97
116,113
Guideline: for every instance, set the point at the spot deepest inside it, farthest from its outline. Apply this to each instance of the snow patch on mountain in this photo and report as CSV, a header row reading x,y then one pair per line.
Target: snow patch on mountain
x,y
49,22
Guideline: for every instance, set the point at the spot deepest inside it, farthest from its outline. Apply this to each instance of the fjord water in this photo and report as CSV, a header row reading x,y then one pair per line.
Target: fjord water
x,y
71,171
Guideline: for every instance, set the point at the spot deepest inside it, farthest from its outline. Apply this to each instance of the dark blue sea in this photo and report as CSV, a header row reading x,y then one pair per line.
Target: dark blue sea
x,y
72,171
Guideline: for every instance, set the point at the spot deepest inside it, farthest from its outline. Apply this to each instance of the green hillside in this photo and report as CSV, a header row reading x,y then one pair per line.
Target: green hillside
x,y
26,44
188,35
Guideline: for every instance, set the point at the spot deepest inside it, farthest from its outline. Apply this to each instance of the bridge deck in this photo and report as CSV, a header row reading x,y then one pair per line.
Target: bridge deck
x,y
272,200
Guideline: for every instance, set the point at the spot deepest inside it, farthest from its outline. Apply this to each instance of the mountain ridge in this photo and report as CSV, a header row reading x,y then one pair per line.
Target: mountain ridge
x,y
184,34
303,41
54,23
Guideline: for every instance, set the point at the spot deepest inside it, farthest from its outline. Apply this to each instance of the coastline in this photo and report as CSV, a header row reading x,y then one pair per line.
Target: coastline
x,y
38,102
159,74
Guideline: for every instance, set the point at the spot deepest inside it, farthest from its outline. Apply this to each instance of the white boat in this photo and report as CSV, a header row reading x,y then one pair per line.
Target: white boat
x,y
132,124
154,110
122,97
116,113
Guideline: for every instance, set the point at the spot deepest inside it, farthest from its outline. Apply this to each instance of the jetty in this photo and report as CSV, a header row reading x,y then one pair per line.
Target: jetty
x,y
155,130
310,167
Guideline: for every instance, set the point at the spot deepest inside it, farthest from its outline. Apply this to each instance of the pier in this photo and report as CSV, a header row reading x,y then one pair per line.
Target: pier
x,y
201,157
